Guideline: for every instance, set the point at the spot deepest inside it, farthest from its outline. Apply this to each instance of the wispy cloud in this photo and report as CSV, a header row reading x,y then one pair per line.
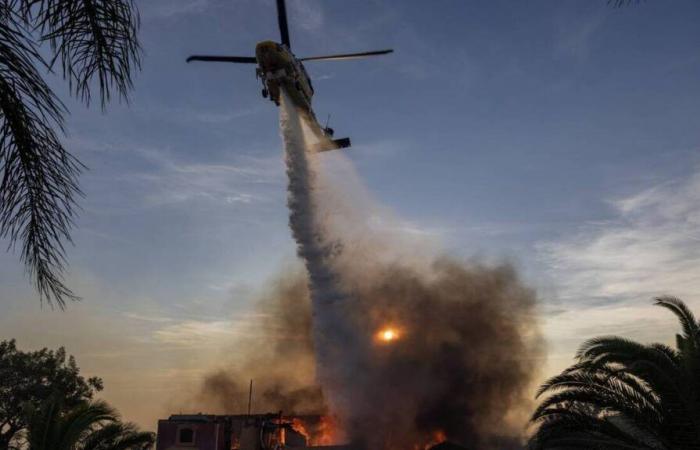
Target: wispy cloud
x,y
652,246
197,333
173,181
577,40
306,14
190,116
146,318
158,9
607,273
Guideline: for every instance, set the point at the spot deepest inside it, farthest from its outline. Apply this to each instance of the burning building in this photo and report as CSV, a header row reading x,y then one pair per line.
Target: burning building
x,y
405,347
249,432
241,432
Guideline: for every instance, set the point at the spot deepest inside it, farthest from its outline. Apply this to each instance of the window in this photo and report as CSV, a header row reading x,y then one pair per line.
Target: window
x,y
185,436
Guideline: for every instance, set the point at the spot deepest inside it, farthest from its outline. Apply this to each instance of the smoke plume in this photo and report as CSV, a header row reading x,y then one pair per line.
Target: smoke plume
x,y
278,357
408,349
403,346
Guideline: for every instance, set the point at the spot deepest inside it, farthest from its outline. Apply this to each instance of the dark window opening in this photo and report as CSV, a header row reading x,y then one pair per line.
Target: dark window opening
x,y
186,436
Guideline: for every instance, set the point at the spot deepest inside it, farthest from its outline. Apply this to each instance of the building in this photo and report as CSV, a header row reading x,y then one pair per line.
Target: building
x,y
238,432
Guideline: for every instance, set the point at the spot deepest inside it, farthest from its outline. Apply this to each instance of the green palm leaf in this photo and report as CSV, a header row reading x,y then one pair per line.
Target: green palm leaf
x,y
39,177
93,39
95,42
622,394
685,316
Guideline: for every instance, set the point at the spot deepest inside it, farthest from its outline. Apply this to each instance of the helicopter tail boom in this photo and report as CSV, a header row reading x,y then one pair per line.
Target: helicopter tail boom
x,y
331,144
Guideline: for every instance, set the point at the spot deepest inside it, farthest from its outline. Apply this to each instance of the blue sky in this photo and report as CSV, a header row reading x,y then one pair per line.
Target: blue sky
x,y
559,135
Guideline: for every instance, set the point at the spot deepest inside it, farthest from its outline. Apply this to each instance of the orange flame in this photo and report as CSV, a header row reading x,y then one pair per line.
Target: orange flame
x,y
322,433
388,335
437,437
298,426
326,432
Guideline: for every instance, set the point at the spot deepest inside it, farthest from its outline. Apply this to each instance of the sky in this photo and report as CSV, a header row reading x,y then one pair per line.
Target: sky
x,y
562,137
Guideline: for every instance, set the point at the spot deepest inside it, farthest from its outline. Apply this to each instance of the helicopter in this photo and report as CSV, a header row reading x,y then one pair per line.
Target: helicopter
x,y
279,69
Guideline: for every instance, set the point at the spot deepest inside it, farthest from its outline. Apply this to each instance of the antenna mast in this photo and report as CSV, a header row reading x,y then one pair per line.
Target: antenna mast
x,y
250,396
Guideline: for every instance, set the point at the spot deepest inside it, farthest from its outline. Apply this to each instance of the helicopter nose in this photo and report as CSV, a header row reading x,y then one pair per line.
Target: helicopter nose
x,y
267,55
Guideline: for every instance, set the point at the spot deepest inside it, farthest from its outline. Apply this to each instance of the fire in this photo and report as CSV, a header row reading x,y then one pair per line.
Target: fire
x,y
298,426
323,433
437,437
388,335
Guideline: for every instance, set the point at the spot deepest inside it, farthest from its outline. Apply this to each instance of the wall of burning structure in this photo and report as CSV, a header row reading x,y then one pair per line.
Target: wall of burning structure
x,y
248,432
237,432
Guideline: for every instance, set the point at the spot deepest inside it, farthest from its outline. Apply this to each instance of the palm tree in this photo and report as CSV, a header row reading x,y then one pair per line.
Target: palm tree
x,y
625,395
88,426
94,42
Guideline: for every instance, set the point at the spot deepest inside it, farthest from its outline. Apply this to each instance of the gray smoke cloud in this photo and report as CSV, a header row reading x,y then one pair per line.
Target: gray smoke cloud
x,y
466,342
279,358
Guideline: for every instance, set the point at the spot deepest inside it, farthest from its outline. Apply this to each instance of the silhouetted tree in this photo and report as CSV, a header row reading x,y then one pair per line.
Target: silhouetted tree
x,y
625,395
93,42
86,426
29,379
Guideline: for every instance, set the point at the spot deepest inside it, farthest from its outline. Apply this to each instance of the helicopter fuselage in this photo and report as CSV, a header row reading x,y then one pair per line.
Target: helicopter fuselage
x,y
278,68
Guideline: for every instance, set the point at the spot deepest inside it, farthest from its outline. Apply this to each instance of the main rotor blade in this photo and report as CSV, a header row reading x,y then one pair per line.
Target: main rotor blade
x,y
282,19
229,59
346,56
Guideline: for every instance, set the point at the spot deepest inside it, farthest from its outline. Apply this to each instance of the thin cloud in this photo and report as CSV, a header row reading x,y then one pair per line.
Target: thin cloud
x,y
306,14
189,116
650,247
576,41
229,183
608,272
146,318
197,333
163,9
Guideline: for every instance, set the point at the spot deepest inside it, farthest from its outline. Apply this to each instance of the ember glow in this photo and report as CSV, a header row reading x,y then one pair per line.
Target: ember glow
x,y
438,437
321,433
388,335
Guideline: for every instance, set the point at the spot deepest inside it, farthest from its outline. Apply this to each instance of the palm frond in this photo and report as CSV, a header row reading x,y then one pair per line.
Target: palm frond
x,y
93,39
118,436
103,437
39,177
603,399
621,351
684,314
132,439
577,426
623,394
81,420
42,420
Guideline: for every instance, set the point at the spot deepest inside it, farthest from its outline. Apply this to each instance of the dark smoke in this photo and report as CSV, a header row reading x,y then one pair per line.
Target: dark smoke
x,y
279,357
468,344
466,356
463,364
